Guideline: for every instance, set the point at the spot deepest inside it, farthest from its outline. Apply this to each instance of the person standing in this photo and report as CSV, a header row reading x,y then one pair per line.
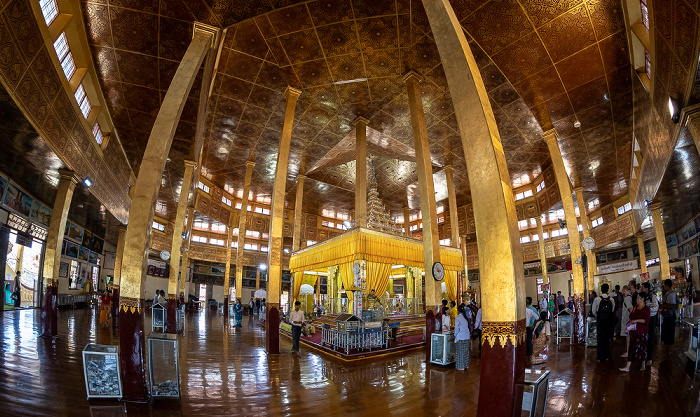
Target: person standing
x,y
653,303
551,307
531,316
477,328
626,309
251,305
638,329
454,312
619,299
445,320
238,313
17,293
633,291
603,309
297,319
540,340
668,321
543,302
257,305
561,301
462,338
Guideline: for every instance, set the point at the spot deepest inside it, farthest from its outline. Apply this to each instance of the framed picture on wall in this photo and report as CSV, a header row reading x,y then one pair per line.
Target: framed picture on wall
x,y
71,250
151,270
63,270
83,254
398,289
92,258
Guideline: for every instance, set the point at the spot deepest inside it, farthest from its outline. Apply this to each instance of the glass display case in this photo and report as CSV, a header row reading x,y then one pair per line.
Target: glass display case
x,y
158,316
535,392
442,349
349,323
181,318
591,332
565,325
693,347
163,367
101,368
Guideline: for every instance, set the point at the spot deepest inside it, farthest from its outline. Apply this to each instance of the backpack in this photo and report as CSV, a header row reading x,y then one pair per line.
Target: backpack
x,y
605,308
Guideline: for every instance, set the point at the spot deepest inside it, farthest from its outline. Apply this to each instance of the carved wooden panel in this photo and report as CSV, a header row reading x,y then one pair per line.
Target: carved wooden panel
x,y
519,211
530,210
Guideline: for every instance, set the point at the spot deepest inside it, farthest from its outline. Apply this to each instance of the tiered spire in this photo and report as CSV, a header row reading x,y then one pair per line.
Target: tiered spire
x,y
378,217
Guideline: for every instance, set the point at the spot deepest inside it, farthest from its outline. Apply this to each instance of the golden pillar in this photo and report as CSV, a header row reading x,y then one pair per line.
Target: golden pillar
x,y
185,258
642,254
660,240
117,273
52,253
242,218
407,221
452,200
296,239
500,257
465,264
177,244
274,280
257,278
136,242
318,289
227,272
361,171
587,231
572,229
543,254
426,186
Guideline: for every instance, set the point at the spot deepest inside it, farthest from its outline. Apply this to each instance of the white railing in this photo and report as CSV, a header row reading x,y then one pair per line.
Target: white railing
x,y
361,341
402,306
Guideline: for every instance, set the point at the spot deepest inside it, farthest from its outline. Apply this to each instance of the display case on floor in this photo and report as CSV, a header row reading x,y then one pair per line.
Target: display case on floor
x,y
101,368
591,332
181,318
565,325
535,392
442,349
158,317
163,366
693,348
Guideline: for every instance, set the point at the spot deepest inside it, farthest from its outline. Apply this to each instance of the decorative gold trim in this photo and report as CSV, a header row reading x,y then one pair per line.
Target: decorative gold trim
x,y
115,286
503,332
128,304
50,282
172,296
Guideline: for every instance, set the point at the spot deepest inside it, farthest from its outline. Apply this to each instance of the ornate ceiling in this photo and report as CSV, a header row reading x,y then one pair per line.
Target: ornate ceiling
x,y
545,63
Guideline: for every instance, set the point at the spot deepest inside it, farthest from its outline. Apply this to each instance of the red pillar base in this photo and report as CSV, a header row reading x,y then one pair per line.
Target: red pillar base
x,y
132,349
171,316
225,306
502,368
579,319
429,330
49,310
272,329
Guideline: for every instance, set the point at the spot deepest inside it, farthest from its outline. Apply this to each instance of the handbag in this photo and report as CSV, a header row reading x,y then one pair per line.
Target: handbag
x,y
631,326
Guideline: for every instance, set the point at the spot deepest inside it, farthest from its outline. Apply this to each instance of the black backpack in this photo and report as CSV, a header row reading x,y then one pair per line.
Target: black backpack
x,y
605,309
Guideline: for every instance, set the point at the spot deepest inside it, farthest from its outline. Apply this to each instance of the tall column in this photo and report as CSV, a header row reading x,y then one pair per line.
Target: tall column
x,y
257,278
52,254
185,263
431,242
296,239
452,200
574,240
465,265
361,171
543,254
660,240
176,245
318,289
587,230
227,273
131,302
272,342
117,274
642,254
242,218
500,257
407,221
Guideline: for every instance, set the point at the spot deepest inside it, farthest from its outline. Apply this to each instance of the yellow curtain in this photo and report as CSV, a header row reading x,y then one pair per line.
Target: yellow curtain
x,y
348,279
298,280
372,246
377,277
451,284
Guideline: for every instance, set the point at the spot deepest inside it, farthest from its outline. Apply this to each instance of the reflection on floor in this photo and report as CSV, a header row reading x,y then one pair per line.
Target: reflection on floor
x,y
225,371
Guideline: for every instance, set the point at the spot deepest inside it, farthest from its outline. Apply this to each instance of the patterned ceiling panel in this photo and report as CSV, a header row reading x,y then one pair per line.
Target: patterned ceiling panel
x,y
545,64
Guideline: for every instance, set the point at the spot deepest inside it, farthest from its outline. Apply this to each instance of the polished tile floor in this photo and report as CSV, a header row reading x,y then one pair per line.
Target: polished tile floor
x,y
225,371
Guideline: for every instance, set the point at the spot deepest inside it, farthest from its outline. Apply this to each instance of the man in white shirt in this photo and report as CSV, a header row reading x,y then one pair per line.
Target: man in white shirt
x,y
603,309
543,302
297,319
531,317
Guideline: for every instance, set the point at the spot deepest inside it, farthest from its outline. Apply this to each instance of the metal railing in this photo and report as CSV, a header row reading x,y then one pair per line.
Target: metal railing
x,y
402,306
361,341
338,305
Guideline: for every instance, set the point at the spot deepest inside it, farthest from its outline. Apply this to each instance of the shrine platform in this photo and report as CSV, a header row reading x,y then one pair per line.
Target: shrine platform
x,y
409,337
